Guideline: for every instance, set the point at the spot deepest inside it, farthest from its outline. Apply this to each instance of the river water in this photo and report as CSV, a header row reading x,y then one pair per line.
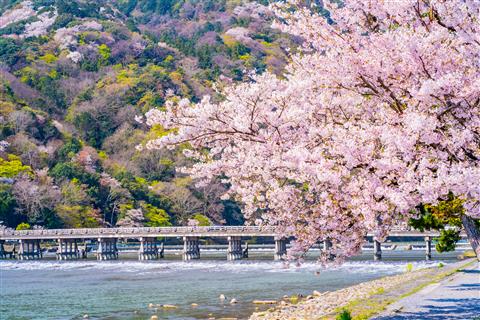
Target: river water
x,y
123,289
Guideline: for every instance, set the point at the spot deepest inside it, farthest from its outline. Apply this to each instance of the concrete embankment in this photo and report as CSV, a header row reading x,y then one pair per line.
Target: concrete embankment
x,y
367,299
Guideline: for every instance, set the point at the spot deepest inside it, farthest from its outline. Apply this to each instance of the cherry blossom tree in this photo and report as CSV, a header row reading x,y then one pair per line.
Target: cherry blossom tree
x,y
377,114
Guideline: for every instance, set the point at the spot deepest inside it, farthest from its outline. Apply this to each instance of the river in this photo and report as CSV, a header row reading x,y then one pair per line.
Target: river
x,y
123,289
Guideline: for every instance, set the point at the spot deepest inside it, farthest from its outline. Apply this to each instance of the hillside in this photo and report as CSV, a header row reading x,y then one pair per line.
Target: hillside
x,y
74,76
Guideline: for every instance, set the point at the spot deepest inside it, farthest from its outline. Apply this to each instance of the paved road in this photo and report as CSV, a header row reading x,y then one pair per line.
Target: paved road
x,y
455,298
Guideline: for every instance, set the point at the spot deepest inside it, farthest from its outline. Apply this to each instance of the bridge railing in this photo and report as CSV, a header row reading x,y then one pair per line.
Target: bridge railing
x,y
139,230
162,231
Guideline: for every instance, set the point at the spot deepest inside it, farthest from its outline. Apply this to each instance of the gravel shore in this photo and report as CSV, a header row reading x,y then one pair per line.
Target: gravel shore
x,y
367,298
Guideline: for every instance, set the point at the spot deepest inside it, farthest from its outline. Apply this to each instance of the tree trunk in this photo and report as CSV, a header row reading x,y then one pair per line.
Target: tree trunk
x,y
473,234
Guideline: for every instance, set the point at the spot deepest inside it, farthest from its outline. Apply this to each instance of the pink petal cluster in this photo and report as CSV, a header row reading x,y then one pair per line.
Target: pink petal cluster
x,y
378,113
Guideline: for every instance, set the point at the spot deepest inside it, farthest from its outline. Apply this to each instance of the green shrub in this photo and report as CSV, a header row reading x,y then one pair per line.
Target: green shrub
x,y
23,226
203,221
409,267
344,315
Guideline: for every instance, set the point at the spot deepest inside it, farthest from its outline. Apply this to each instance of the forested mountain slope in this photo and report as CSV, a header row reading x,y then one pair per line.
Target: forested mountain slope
x,y
74,75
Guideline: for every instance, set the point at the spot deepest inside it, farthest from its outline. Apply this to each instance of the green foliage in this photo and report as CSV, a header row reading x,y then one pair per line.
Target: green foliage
x,y
448,211
203,221
445,213
127,6
158,6
155,217
10,51
71,170
105,52
426,221
13,166
78,216
81,10
447,240
94,130
237,50
23,226
7,206
409,267
62,20
344,315
49,58
15,27
69,149
45,83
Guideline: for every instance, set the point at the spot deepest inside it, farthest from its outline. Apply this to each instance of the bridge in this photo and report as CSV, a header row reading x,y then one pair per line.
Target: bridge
x,y
69,240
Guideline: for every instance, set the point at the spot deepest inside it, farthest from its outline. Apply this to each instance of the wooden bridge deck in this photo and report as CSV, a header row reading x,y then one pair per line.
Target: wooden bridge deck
x,y
125,233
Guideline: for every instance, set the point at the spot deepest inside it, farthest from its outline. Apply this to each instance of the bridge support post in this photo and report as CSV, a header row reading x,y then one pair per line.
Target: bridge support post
x,y
191,248
3,254
428,248
67,249
327,245
280,248
107,249
148,249
161,251
83,251
234,251
245,251
29,249
377,250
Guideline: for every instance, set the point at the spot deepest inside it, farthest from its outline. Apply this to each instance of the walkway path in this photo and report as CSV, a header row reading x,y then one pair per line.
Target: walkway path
x,y
456,297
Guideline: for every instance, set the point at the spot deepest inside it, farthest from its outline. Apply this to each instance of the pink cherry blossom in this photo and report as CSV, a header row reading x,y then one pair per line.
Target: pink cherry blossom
x,y
376,114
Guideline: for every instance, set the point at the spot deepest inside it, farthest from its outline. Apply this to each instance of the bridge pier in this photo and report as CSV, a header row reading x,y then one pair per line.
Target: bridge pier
x,y
148,249
428,248
280,248
327,245
377,250
234,251
107,249
67,249
161,251
191,248
3,254
29,249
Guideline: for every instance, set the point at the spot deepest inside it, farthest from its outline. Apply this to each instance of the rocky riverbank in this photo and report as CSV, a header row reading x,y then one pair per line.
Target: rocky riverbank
x,y
362,300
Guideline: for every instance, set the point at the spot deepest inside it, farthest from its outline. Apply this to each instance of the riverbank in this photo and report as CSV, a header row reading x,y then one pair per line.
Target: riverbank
x,y
363,300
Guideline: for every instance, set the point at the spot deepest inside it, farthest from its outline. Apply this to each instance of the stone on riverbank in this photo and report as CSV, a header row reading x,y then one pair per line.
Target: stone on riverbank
x,y
316,293
233,301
